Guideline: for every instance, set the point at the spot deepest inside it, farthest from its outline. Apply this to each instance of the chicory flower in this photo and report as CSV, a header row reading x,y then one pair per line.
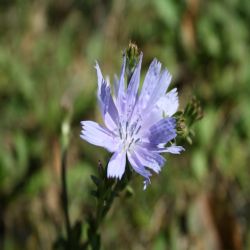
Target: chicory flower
x,y
138,126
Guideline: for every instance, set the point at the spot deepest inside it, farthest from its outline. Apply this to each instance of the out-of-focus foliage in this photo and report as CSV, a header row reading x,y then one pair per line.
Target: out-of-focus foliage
x,y
201,200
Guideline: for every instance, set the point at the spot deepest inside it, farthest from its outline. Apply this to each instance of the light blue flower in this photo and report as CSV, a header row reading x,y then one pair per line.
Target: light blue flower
x,y
138,126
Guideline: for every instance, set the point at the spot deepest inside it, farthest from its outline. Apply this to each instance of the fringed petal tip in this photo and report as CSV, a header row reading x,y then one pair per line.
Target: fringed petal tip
x,y
174,149
111,176
96,66
146,182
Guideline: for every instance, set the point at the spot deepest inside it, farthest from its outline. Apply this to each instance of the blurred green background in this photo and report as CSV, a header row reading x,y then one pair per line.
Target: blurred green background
x,y
201,199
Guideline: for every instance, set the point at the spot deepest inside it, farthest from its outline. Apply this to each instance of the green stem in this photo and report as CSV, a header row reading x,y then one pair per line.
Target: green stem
x,y
64,192
107,190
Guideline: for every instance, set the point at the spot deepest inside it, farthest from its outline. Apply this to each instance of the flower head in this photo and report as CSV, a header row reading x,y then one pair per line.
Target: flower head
x,y
138,126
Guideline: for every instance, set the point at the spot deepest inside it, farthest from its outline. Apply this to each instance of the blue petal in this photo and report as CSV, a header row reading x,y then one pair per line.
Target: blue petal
x,y
163,131
120,88
169,103
99,136
160,89
150,159
116,86
150,82
153,89
137,165
153,115
150,118
116,166
107,106
133,88
172,149
99,76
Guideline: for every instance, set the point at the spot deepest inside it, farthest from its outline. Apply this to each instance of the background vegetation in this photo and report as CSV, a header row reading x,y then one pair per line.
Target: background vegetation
x,y
201,200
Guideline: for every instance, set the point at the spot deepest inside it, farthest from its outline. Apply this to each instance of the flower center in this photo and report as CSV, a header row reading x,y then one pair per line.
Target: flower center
x,y
129,135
